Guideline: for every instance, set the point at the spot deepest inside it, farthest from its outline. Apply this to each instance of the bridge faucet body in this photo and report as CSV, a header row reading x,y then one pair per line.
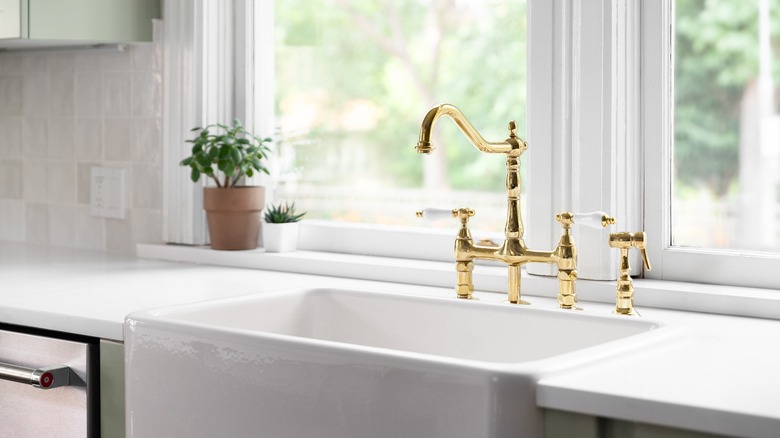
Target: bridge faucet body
x,y
512,251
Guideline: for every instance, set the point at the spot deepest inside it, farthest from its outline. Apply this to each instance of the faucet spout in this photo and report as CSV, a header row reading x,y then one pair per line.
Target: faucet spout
x,y
513,146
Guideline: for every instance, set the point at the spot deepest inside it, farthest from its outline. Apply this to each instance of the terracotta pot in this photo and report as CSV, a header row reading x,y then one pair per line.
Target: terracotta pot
x,y
234,216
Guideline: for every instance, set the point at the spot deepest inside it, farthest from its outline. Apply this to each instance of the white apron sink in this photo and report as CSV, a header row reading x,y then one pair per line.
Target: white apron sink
x,y
341,363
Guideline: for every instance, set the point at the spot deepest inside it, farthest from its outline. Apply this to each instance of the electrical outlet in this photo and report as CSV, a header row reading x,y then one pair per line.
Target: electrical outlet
x,y
107,192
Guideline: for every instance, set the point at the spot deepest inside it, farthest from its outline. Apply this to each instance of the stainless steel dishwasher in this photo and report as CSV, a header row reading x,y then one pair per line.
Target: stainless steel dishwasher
x,y
47,385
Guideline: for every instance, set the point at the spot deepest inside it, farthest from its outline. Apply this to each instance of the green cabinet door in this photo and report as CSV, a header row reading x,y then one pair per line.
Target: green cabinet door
x,y
93,20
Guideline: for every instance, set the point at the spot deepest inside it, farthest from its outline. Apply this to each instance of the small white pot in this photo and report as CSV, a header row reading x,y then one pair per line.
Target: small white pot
x,y
280,237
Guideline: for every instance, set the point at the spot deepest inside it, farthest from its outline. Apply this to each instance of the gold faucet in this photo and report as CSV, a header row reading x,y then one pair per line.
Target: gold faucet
x,y
512,251
625,287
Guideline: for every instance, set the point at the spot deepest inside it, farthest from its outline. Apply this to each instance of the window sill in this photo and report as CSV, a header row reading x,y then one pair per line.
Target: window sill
x,y
726,300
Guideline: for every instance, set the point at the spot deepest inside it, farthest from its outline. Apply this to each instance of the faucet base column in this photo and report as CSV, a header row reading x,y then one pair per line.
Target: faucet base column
x,y
567,295
465,286
513,296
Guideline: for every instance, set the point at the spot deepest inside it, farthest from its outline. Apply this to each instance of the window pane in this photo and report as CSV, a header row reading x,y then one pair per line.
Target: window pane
x,y
354,79
727,125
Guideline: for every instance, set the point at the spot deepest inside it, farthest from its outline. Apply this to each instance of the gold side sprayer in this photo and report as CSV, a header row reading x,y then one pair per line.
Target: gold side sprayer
x,y
625,287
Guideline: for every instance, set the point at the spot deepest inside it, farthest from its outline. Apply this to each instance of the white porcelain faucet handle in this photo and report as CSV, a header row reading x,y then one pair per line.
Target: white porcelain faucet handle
x,y
437,213
596,219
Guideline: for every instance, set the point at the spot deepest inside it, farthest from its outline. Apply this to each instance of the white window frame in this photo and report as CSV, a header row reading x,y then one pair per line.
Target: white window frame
x,y
724,267
595,123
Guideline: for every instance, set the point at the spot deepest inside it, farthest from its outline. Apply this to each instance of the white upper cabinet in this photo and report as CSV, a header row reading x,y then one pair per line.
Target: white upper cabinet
x,y
49,23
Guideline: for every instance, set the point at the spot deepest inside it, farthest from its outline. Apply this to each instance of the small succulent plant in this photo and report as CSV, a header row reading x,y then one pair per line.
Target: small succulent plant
x,y
282,213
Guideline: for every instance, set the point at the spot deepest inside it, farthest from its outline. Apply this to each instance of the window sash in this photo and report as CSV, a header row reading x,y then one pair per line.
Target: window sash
x,y
737,268
574,48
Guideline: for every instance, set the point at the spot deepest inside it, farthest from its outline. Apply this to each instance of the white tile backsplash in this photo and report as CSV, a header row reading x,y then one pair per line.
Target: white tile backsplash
x,y
12,64
90,230
11,95
117,139
61,113
119,234
11,179
87,61
83,181
61,62
34,181
89,139
36,223
61,182
88,95
147,140
117,61
36,94
61,94
35,137
145,179
12,220
117,94
147,94
10,138
33,63
62,225
61,138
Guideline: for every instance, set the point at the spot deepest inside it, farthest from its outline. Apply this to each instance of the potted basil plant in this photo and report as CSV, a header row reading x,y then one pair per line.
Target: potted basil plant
x,y
225,155
280,230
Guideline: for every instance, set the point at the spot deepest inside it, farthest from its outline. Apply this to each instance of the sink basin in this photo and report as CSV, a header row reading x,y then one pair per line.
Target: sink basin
x,y
341,363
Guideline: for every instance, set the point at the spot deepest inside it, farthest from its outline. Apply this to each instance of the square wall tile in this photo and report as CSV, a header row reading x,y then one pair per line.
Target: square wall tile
x,y
61,138
11,63
87,61
35,181
36,223
147,140
35,137
147,186
10,137
11,179
89,139
147,94
61,62
119,235
62,225
88,93
147,57
11,95
11,220
147,226
62,90
36,94
117,61
90,230
35,62
116,94
61,177
117,139
84,182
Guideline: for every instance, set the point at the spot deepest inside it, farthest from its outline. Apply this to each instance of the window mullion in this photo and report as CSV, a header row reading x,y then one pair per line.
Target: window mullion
x,y
199,78
592,161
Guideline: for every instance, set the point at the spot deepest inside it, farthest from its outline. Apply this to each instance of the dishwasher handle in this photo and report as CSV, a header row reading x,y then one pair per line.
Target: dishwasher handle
x,y
43,378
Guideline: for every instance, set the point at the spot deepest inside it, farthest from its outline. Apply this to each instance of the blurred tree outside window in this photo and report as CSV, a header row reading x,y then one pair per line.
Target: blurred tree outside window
x,y
726,190
354,79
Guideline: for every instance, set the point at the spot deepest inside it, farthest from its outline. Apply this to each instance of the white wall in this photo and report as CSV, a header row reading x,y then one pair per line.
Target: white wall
x,y
62,113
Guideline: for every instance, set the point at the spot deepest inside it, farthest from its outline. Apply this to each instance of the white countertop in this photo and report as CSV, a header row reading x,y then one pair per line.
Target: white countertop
x,y
719,376
90,293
